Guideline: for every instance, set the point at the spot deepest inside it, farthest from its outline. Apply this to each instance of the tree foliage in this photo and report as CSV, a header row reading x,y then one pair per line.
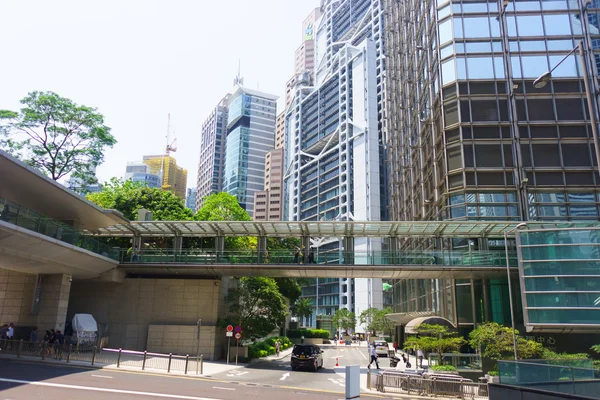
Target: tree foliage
x,y
302,308
128,197
225,207
496,342
56,136
256,305
434,338
375,320
289,288
344,319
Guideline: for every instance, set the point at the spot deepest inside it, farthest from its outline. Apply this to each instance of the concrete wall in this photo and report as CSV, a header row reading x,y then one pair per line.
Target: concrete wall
x,y
131,307
182,339
17,297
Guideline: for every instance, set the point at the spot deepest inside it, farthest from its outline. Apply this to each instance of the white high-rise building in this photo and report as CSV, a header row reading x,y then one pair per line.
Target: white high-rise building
x,y
333,152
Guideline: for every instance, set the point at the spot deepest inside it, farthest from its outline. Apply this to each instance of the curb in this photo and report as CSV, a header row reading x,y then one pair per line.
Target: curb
x,y
282,355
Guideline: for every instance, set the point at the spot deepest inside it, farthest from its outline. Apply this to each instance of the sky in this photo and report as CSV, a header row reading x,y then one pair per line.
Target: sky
x,y
136,61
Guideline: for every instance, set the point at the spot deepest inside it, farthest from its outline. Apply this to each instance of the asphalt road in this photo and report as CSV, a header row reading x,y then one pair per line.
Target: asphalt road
x,y
28,381
329,378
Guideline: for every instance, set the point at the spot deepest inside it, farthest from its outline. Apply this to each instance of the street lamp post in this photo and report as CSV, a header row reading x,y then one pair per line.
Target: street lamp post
x,y
198,327
510,295
545,78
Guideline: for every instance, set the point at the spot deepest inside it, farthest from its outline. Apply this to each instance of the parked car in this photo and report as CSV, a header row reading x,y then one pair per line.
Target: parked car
x,y
308,356
381,348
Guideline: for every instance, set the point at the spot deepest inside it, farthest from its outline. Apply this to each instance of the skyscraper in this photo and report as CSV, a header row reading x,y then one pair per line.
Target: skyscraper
x,y
250,135
471,137
190,199
268,203
140,172
212,153
333,152
174,178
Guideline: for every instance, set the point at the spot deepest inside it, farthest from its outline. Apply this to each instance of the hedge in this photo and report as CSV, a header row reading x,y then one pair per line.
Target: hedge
x,y
267,347
308,333
443,368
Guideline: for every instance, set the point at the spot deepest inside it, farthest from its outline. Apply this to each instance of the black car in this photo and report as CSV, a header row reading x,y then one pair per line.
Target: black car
x,y
307,356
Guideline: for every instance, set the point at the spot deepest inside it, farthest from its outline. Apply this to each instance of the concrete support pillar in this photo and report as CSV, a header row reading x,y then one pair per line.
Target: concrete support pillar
x,y
262,249
54,301
219,245
177,243
483,244
137,242
348,245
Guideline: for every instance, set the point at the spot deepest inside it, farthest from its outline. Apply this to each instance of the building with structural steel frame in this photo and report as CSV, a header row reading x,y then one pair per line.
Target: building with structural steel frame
x,y
333,153
470,137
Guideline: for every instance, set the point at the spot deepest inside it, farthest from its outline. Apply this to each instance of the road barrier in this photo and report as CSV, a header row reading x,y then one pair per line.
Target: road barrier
x,y
396,382
109,357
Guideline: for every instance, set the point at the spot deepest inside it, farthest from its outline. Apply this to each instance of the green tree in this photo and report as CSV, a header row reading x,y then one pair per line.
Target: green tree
x,y
368,318
256,305
128,197
56,136
344,319
289,288
225,207
496,342
386,325
434,338
302,308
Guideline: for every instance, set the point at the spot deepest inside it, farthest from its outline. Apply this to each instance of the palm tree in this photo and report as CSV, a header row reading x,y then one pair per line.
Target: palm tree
x,y
302,308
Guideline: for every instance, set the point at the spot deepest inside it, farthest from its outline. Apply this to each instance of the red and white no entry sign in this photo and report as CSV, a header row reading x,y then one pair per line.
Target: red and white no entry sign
x,y
229,328
238,336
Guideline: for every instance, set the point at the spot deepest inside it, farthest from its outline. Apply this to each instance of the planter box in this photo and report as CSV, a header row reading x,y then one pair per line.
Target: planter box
x,y
492,378
307,341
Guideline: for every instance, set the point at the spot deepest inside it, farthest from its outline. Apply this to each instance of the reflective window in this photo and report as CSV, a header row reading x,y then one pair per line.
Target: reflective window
x,y
445,30
446,51
568,67
478,47
554,4
533,45
534,66
499,67
560,45
582,197
474,7
443,12
478,27
557,24
497,46
461,68
480,68
459,48
458,29
527,5
448,72
530,25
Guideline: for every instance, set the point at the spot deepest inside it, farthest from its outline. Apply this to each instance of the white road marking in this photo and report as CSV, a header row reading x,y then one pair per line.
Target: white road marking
x,y
237,373
337,357
287,374
103,376
98,389
361,353
336,381
222,388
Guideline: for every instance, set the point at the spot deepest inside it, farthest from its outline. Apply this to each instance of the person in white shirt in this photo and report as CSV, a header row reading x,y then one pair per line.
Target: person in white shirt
x,y
420,356
373,356
11,331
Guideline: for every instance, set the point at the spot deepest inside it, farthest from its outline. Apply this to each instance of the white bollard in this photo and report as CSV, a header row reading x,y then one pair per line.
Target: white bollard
x,y
352,382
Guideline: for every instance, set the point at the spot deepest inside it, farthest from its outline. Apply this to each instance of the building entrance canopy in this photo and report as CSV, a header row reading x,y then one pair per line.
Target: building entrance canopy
x,y
385,229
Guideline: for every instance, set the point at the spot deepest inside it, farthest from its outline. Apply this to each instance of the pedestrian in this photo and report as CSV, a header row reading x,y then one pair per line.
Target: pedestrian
x,y
277,347
373,357
3,336
58,344
296,255
51,341
311,257
134,254
11,331
33,335
420,356
5,213
267,257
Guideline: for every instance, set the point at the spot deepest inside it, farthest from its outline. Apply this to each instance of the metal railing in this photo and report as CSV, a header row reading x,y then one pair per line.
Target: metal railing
x,y
435,387
460,361
27,218
208,257
118,358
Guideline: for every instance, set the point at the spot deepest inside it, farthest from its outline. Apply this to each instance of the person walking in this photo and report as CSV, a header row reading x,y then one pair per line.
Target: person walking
x,y
373,357
296,255
311,257
420,356
58,344
277,347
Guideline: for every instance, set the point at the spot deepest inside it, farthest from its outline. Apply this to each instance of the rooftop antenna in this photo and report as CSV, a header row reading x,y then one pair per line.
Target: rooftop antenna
x,y
239,81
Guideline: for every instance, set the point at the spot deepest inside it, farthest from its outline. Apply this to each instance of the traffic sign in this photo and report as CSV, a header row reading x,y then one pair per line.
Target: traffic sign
x,y
229,328
228,334
238,329
238,336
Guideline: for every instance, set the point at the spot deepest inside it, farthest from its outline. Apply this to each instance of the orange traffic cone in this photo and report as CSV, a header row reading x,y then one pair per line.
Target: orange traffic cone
x,y
336,362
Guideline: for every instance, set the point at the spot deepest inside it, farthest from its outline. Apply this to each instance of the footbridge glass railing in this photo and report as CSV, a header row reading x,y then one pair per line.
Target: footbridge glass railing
x,y
32,220
433,258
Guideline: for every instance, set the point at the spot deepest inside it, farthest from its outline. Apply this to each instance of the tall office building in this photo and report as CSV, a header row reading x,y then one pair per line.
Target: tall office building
x,y
250,135
305,54
212,153
471,137
280,130
173,179
190,199
268,203
140,172
333,152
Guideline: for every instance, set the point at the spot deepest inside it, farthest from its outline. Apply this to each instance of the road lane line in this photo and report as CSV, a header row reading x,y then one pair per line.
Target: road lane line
x,y
222,388
98,389
361,353
103,376
287,374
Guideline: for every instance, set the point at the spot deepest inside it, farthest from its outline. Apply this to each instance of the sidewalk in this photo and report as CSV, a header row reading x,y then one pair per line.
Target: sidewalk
x,y
282,354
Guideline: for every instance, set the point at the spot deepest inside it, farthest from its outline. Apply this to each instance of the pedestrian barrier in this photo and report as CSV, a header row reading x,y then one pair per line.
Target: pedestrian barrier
x,y
396,382
109,357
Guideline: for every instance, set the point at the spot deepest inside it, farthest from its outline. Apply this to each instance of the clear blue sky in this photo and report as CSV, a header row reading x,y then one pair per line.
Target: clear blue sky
x,y
138,60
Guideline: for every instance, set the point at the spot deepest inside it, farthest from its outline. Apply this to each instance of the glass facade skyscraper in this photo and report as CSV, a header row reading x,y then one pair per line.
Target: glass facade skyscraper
x,y
468,136
250,135
333,150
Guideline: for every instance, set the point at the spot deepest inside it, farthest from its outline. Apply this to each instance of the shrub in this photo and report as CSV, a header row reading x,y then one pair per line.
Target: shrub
x,y
262,353
443,368
493,373
308,333
267,347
